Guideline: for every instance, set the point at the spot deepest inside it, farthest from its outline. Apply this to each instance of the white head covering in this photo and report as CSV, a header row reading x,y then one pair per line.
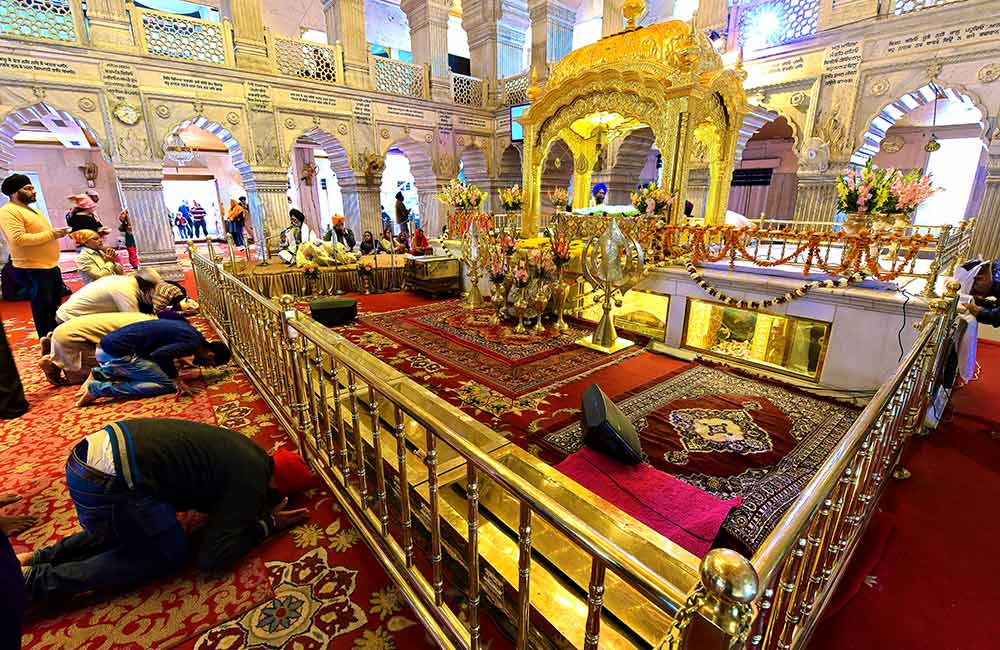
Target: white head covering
x,y
967,277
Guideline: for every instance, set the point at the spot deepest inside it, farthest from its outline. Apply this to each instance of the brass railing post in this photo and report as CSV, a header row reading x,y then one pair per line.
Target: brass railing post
x,y
930,290
289,337
719,612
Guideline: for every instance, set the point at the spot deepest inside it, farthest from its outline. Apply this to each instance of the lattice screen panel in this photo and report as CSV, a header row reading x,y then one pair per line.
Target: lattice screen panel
x,y
466,90
307,60
780,21
180,38
515,89
50,20
398,77
906,6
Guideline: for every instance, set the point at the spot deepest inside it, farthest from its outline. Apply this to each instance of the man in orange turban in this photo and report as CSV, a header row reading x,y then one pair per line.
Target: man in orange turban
x,y
341,233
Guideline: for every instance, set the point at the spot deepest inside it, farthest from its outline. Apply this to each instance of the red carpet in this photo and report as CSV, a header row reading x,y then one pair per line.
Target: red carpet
x,y
317,586
933,586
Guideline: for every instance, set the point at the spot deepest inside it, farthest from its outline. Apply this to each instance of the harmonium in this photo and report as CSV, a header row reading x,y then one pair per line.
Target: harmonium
x,y
435,274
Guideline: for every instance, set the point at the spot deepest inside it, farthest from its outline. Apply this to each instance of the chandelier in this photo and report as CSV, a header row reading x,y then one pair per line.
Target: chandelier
x,y
177,151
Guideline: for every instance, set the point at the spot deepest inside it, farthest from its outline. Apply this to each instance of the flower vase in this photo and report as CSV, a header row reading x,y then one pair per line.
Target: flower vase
x,y
540,297
499,299
562,291
520,297
856,221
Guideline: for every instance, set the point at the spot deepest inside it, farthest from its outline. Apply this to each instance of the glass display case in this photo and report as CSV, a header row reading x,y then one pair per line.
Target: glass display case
x,y
787,344
642,312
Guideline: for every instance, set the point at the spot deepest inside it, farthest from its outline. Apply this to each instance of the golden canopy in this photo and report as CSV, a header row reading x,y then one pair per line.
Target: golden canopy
x,y
664,76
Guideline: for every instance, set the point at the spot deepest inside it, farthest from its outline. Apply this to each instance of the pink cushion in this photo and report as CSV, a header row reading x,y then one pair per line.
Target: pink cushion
x,y
680,512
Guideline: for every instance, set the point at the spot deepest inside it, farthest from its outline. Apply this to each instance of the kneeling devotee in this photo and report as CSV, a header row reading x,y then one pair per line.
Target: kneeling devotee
x,y
112,293
74,345
129,480
140,360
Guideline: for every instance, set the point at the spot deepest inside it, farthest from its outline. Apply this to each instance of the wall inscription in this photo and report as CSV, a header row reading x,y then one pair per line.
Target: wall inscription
x,y
120,79
30,64
473,122
259,97
446,122
840,65
787,65
403,111
312,98
362,111
192,83
942,37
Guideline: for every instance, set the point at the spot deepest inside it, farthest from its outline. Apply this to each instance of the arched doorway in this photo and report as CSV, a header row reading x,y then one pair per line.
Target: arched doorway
x,y
473,167
624,164
63,156
765,178
321,181
410,169
557,172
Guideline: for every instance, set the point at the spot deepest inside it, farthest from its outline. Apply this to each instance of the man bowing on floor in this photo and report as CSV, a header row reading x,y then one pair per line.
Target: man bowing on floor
x,y
129,480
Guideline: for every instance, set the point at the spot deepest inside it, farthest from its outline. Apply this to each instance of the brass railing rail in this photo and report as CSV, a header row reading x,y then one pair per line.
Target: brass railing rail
x,y
180,37
399,77
348,412
386,448
802,561
308,60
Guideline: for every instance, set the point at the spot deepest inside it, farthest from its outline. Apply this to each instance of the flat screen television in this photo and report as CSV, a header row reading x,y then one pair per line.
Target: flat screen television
x,y
516,130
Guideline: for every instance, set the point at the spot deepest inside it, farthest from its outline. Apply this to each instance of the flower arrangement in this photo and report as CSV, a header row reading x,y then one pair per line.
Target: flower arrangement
x,y
652,199
903,193
366,266
309,172
311,270
519,274
559,197
461,196
511,198
541,264
863,192
560,243
498,271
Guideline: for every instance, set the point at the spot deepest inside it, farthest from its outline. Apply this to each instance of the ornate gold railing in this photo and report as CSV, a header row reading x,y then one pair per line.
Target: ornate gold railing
x,y
42,20
468,91
413,474
308,60
802,561
513,90
399,77
182,38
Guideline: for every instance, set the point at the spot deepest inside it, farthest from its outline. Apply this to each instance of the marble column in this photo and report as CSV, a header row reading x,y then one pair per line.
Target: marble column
x,y
986,238
308,191
712,15
362,203
551,33
697,190
152,223
428,20
345,24
497,30
108,26
248,34
816,197
433,213
612,19
267,195
512,34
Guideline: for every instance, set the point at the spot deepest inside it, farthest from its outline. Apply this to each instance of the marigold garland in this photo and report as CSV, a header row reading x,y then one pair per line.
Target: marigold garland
x,y
794,294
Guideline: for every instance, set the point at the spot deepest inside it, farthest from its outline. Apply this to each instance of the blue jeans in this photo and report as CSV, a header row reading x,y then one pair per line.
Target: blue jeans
x,y
199,226
45,288
128,538
128,377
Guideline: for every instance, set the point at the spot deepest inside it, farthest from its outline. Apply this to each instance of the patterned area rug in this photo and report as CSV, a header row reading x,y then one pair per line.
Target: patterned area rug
x,y
317,586
731,436
494,355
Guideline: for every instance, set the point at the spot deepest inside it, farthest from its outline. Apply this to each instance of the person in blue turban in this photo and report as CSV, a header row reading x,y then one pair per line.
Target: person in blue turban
x,y
600,191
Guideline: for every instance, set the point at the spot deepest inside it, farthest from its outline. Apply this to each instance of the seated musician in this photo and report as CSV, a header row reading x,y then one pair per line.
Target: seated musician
x,y
600,192
294,235
367,243
388,244
420,244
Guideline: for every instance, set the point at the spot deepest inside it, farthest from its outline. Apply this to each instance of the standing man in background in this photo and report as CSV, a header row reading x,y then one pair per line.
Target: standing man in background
x,y
198,220
402,215
34,250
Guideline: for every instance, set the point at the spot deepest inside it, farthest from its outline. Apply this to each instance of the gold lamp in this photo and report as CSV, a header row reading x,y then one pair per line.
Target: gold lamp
x,y
633,11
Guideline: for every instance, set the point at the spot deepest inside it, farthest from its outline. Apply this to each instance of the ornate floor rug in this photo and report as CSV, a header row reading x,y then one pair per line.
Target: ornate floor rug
x,y
730,436
317,586
494,355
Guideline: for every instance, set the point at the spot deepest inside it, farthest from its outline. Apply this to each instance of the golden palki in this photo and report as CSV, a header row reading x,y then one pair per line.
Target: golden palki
x,y
613,263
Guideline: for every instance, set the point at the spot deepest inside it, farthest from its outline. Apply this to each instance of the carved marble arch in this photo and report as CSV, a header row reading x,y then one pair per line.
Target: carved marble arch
x,y
16,119
423,165
884,118
475,164
336,151
228,140
510,164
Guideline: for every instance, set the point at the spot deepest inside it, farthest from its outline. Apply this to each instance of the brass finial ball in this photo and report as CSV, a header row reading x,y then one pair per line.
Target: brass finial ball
x,y
728,574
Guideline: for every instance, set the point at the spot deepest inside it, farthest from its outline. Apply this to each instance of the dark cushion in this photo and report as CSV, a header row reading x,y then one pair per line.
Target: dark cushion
x,y
334,311
608,429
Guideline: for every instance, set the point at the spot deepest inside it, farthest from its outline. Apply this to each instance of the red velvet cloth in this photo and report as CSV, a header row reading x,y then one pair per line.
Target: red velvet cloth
x,y
680,512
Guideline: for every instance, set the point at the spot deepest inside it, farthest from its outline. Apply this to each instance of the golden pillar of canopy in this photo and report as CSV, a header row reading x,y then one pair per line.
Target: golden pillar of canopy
x,y
666,77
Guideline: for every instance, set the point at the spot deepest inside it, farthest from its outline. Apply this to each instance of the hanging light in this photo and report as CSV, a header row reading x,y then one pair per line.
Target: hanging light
x,y
177,151
933,144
